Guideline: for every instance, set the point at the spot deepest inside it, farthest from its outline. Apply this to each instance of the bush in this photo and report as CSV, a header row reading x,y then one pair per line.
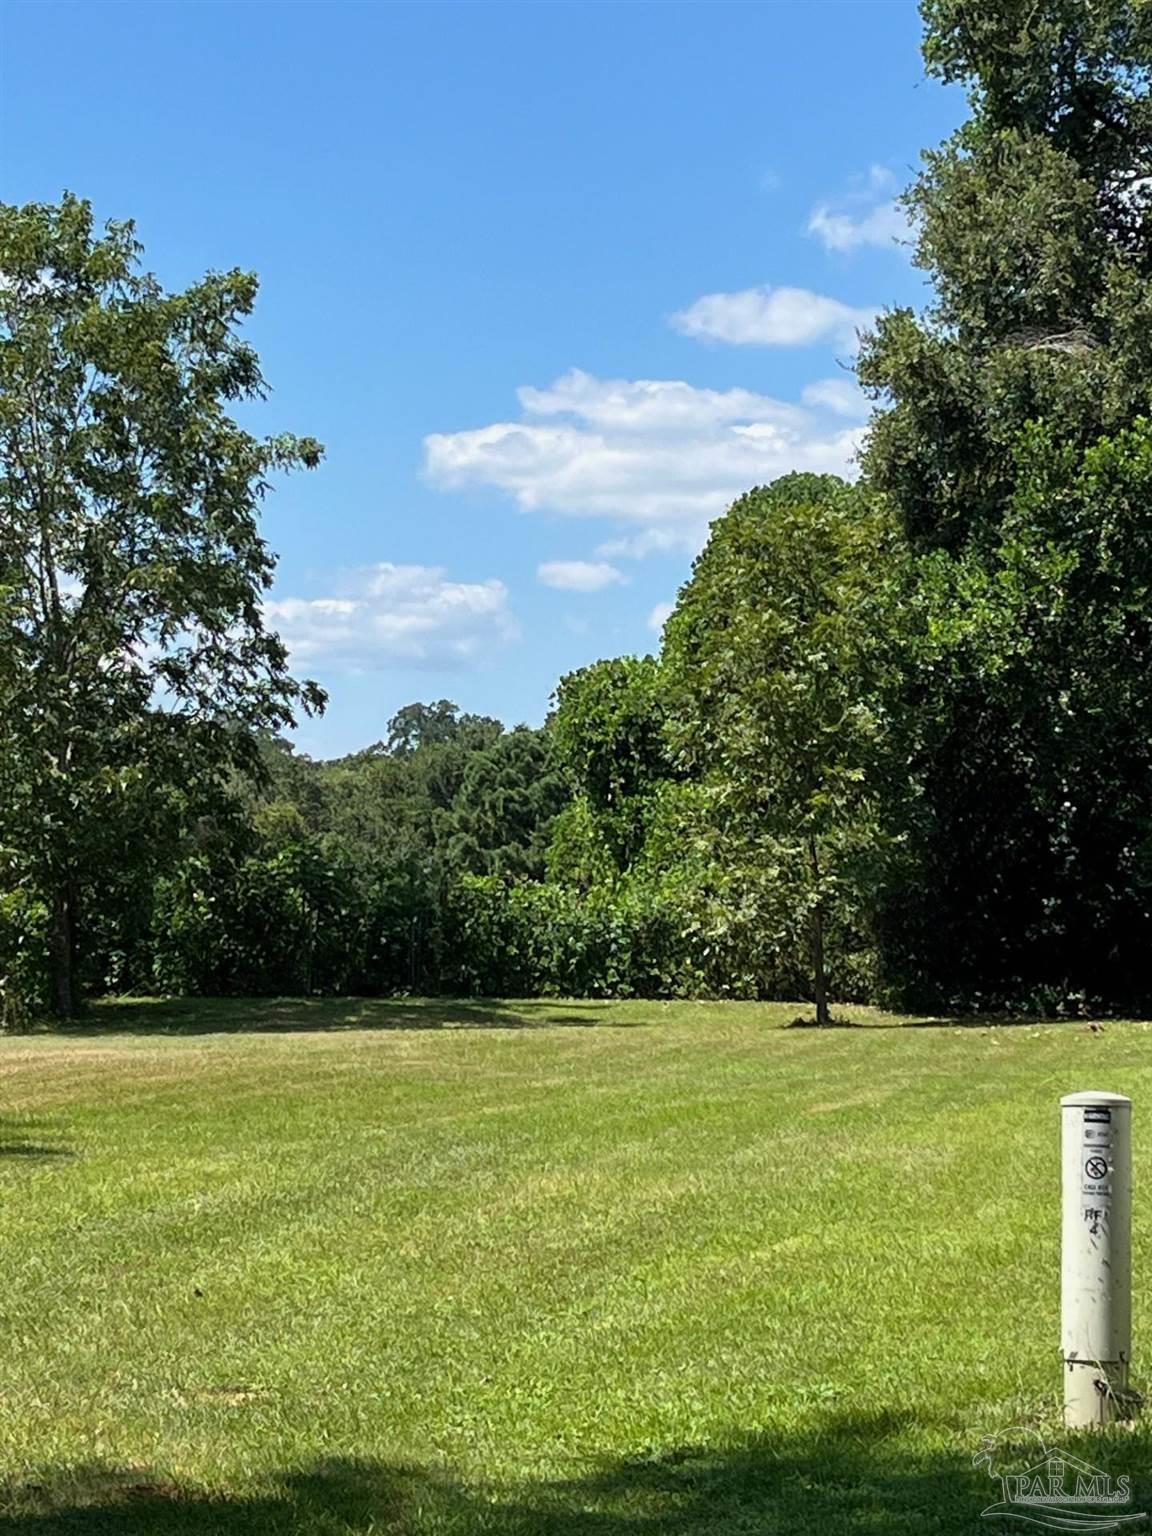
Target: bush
x,y
551,940
23,958
294,921
308,919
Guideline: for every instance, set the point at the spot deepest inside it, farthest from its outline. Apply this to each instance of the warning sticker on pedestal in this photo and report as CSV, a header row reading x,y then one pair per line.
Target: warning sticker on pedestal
x,y
1096,1166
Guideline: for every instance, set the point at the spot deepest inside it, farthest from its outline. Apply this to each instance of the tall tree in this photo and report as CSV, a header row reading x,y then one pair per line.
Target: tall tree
x,y
136,664
779,660
1035,225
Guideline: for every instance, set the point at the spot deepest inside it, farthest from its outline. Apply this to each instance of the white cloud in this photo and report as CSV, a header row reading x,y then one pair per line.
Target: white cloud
x,y
660,616
657,456
773,317
644,405
653,541
395,613
883,226
842,396
866,215
579,575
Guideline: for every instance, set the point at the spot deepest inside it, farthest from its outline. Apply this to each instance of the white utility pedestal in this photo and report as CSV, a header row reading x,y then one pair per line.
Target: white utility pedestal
x,y
1096,1255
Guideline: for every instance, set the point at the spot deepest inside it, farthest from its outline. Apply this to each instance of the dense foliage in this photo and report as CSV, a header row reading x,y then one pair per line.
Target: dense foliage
x,y
134,666
1011,447
898,743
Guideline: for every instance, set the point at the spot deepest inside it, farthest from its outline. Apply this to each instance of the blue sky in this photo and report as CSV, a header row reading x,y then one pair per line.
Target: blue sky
x,y
552,282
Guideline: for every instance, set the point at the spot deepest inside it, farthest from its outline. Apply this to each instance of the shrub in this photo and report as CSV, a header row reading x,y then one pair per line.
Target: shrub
x,y
23,958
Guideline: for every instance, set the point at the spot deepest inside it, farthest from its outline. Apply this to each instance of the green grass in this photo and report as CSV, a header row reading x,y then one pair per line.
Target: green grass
x,y
618,1269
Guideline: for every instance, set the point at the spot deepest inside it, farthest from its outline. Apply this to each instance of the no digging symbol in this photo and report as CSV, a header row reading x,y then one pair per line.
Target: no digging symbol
x,y
1096,1168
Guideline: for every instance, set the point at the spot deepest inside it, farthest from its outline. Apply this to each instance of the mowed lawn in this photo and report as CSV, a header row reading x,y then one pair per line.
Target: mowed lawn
x,y
516,1268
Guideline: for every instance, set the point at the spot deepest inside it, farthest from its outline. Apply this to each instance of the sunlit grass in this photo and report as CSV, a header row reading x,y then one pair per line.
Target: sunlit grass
x,y
562,1267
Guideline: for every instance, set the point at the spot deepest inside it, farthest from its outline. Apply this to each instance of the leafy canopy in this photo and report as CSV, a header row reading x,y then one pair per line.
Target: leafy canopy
x,y
136,663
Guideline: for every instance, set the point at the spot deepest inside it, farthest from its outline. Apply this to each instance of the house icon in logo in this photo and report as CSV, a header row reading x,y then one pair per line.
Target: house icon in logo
x,y
1060,1492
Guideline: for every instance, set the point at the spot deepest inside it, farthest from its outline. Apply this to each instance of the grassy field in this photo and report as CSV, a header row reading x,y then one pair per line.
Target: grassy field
x,y
615,1269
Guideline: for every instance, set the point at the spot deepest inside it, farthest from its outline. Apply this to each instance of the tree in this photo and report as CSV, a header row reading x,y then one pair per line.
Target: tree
x,y
502,816
465,796
779,661
608,730
136,663
1033,872
1035,225
427,725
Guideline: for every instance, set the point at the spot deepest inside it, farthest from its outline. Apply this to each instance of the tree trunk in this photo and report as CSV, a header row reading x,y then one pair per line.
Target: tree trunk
x,y
65,998
819,976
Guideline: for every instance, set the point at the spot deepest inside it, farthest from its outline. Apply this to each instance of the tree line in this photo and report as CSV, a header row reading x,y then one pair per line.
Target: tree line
x,y
896,745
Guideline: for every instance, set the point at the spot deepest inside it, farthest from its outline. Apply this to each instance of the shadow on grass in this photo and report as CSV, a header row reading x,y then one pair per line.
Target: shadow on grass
x,y
947,1021
853,1476
16,1142
282,1015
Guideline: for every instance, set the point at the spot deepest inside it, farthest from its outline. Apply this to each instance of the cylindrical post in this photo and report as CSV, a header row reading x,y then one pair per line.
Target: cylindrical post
x,y
1096,1256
